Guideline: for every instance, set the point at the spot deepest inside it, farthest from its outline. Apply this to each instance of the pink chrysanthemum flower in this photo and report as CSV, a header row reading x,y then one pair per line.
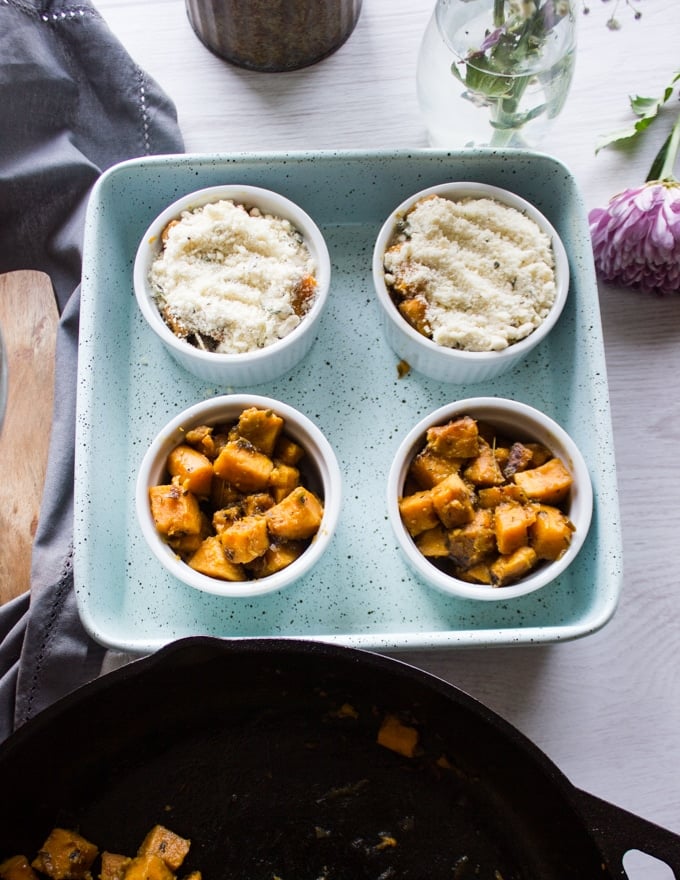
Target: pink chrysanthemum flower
x,y
636,238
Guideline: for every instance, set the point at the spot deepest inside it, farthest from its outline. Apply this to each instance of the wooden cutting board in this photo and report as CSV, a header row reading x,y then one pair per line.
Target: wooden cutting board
x,y
28,321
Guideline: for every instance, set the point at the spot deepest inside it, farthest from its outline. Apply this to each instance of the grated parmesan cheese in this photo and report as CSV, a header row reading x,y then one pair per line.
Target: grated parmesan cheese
x,y
483,271
232,280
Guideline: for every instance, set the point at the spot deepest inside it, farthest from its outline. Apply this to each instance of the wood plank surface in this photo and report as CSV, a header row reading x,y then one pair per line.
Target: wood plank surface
x,y
29,319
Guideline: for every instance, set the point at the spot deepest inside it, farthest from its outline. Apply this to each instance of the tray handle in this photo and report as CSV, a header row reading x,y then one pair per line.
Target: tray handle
x,y
617,832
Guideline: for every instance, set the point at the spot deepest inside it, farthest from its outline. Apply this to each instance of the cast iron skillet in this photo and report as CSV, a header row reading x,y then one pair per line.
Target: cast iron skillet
x,y
264,753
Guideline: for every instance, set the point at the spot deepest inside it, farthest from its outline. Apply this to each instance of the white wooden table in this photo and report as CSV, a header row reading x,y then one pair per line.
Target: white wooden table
x,y
605,708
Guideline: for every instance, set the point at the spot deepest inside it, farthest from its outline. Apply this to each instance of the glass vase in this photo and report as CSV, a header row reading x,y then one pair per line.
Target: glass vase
x,y
495,72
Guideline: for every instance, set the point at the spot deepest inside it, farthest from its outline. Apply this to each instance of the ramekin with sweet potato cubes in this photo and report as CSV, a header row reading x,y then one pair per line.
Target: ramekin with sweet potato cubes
x,y
234,507
240,495
486,505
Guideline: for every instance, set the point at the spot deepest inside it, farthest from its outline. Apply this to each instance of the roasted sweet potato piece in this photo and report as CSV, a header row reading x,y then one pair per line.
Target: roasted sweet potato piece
x,y
484,469
288,451
261,427
17,868
492,496
148,867
278,556
428,468
282,480
433,543
550,534
459,438
174,510
113,866
414,310
507,569
242,465
550,483
66,855
245,539
223,494
193,468
474,542
297,517
511,524
257,503
162,842
201,438
399,737
418,513
476,574
452,500
211,560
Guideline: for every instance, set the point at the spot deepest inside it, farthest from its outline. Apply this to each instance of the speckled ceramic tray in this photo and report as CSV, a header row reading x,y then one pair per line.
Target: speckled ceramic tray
x,y
362,594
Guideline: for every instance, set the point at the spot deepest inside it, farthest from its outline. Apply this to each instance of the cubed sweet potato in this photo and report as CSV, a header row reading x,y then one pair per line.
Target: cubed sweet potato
x,y
162,842
402,738
211,560
492,496
193,468
174,510
428,468
65,855
148,867
278,556
261,427
507,569
257,503
484,469
414,310
287,451
476,574
244,466
418,513
245,539
549,483
282,480
433,543
297,517
452,500
459,438
511,524
17,868
550,534
519,459
113,866
474,542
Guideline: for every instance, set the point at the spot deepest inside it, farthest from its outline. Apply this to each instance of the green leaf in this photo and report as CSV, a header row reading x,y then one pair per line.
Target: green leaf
x,y
644,108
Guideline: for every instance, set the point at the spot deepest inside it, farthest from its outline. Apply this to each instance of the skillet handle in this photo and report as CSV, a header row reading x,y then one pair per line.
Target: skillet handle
x,y
617,832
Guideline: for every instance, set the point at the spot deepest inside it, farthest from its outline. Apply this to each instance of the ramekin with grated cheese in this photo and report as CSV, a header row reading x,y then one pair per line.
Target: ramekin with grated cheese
x,y
471,273
231,279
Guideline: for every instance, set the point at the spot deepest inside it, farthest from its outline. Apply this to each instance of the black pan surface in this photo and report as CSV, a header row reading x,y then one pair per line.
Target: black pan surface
x,y
265,754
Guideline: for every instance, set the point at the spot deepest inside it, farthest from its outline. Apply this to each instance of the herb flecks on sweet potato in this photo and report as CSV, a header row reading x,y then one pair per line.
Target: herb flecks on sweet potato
x,y
486,508
235,506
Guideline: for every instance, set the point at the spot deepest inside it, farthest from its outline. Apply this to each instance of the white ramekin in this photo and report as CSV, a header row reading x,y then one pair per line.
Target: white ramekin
x,y
321,470
517,421
449,364
261,365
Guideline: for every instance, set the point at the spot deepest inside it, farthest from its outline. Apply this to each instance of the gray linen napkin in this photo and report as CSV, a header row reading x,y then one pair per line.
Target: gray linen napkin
x,y
72,103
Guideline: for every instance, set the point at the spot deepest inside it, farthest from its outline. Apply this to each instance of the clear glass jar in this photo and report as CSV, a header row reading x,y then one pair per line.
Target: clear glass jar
x,y
495,72
273,35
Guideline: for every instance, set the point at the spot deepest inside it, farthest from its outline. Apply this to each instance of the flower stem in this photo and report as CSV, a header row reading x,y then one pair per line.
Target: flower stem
x,y
498,13
663,164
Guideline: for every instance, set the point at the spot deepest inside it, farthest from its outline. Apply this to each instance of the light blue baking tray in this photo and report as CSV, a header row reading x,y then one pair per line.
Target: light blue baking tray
x,y
362,594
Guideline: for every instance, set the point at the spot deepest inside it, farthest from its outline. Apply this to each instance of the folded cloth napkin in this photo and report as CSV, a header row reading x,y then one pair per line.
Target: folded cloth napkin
x,y
72,103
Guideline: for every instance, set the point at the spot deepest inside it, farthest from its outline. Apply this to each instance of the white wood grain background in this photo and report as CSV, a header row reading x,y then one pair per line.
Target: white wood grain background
x,y
605,708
